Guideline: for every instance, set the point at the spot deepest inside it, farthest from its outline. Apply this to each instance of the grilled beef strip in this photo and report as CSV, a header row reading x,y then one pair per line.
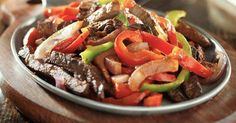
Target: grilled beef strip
x,y
79,78
197,52
142,27
87,72
74,84
86,8
104,31
192,88
177,95
49,26
106,12
192,34
145,17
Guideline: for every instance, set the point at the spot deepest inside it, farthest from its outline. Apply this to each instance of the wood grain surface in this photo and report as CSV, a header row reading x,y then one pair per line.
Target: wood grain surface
x,y
42,106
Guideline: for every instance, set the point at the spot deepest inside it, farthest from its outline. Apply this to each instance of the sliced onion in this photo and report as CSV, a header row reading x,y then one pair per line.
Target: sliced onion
x,y
45,48
113,64
137,46
122,78
60,82
100,62
151,68
163,77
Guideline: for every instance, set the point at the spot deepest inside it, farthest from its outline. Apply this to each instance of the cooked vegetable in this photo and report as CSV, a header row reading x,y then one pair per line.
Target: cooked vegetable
x,y
175,15
183,75
100,62
163,77
44,49
184,59
122,90
92,51
67,13
166,25
133,99
134,47
76,43
153,100
122,17
137,58
66,43
122,78
113,64
31,36
151,68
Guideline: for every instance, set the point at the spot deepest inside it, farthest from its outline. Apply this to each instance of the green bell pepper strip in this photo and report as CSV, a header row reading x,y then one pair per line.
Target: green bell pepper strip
x,y
123,18
183,75
104,2
175,15
92,51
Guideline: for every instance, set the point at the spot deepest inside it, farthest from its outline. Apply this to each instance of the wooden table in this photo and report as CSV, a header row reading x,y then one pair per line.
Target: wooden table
x,y
42,106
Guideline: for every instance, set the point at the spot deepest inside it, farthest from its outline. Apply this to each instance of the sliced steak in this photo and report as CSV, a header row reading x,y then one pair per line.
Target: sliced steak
x,y
50,26
145,17
106,12
102,29
197,52
73,84
192,87
86,8
87,72
142,27
177,95
193,34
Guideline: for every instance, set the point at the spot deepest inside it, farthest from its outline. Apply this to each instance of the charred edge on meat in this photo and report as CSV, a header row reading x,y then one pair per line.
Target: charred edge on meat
x,y
81,70
101,29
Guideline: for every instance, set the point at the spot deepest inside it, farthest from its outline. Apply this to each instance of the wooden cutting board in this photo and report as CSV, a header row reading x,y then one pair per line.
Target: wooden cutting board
x,y
40,105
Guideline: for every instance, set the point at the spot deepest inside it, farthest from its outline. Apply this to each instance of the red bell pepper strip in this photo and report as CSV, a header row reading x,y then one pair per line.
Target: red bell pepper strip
x,y
31,36
185,61
172,37
157,43
191,64
169,27
170,30
131,20
70,11
69,18
129,3
164,77
127,70
53,11
65,43
131,100
135,58
74,4
75,44
153,100
67,13
122,90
